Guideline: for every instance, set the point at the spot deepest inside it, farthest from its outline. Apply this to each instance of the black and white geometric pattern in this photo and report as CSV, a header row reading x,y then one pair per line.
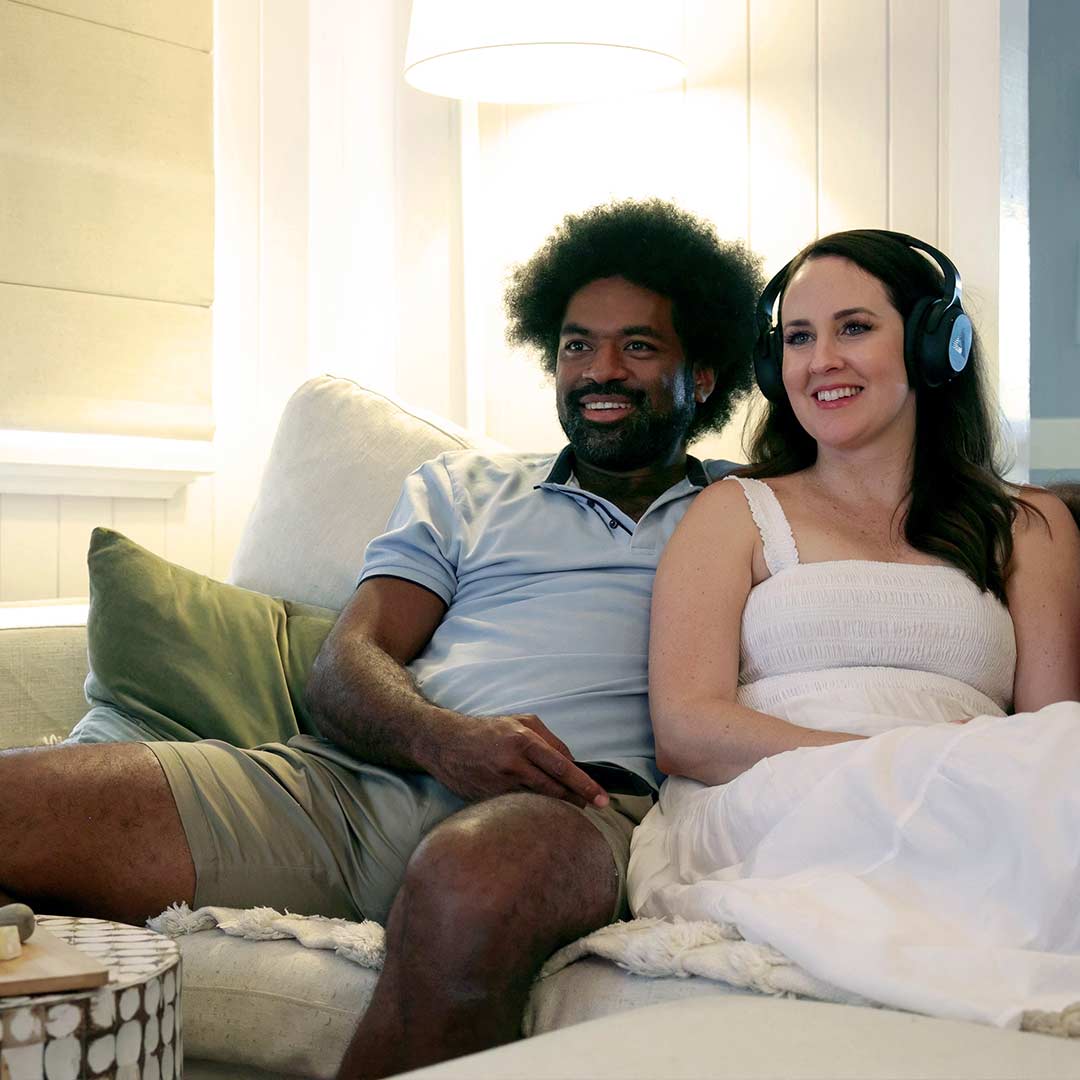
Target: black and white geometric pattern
x,y
128,1029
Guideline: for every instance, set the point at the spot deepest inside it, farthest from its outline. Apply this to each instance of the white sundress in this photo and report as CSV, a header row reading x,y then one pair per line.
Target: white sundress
x,y
933,866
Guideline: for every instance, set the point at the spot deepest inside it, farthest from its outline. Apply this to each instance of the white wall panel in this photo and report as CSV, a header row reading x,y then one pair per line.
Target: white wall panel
x,y
971,181
29,541
425,209
178,21
78,517
105,159
914,117
284,209
715,123
237,323
853,118
522,184
783,106
352,271
715,132
189,527
141,520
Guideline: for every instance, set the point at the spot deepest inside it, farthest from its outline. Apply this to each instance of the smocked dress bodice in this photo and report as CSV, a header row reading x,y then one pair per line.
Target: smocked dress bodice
x,y
825,642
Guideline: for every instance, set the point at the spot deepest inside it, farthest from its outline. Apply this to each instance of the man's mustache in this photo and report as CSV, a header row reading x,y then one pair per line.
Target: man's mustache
x,y
615,389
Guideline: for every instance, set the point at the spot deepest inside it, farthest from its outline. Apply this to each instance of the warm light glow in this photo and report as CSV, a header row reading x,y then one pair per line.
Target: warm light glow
x,y
545,52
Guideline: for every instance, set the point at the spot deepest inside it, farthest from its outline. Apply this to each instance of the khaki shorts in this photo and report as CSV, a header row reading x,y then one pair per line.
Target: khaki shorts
x,y
304,827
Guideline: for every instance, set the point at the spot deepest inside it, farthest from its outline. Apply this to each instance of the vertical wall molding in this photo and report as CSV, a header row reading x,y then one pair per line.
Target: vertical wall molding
x,y
971,234
1014,276
471,223
237,254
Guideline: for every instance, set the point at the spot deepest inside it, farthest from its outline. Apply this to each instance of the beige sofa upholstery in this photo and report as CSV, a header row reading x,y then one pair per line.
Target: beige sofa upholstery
x,y
277,1009
42,670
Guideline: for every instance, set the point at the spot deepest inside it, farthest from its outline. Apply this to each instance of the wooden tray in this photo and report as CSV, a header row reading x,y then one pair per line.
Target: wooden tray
x,y
47,965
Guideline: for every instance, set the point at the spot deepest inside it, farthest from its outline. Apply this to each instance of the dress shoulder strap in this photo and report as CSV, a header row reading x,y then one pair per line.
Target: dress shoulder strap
x,y
778,543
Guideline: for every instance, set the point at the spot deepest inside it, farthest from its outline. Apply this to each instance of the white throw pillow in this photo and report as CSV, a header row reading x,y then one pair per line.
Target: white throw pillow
x,y
334,474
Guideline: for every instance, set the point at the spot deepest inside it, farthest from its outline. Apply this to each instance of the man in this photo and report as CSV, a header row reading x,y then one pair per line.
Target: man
x,y
484,684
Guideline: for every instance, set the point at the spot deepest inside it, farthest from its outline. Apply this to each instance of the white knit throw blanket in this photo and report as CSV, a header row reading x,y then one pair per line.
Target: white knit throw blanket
x,y
649,947
363,943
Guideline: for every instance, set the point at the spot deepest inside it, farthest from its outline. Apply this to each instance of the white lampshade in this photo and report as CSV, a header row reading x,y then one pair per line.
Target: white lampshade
x,y
543,51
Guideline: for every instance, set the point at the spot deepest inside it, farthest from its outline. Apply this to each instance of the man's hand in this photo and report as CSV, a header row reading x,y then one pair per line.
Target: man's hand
x,y
496,755
362,698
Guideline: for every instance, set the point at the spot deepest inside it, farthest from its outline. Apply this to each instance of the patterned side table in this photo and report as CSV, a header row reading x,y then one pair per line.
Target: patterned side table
x,y
128,1029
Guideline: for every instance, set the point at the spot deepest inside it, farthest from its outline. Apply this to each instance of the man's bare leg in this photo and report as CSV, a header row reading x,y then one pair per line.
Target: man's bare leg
x,y
91,830
487,897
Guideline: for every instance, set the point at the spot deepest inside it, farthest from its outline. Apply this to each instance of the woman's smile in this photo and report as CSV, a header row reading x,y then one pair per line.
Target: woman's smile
x,y
835,397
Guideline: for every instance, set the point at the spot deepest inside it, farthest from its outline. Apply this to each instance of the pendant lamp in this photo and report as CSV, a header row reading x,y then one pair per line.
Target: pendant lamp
x,y
544,51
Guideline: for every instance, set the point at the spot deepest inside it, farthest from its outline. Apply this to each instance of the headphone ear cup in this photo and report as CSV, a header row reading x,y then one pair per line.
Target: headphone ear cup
x,y
769,362
914,337
954,335
944,343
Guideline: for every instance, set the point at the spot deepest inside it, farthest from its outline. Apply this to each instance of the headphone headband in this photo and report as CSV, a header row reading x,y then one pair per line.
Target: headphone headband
x,y
937,333
951,290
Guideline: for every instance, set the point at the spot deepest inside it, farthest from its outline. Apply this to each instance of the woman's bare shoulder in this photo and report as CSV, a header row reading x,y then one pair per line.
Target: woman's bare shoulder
x,y
1046,540
1042,512
721,507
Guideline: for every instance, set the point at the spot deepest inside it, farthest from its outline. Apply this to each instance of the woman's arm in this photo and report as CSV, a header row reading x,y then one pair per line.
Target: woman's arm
x,y
702,583
1043,591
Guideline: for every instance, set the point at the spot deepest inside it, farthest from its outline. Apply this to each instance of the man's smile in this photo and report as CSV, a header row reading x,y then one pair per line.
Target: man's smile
x,y
604,409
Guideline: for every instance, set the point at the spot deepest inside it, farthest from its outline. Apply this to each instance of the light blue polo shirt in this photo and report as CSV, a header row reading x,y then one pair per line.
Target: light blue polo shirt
x,y
547,590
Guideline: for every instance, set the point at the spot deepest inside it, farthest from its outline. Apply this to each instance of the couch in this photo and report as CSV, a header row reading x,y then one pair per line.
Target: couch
x,y
274,1008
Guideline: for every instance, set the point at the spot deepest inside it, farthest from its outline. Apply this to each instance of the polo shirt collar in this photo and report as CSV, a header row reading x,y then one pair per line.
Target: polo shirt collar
x,y
563,468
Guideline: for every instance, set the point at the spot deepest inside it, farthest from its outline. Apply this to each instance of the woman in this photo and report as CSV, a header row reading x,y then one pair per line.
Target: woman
x,y
816,624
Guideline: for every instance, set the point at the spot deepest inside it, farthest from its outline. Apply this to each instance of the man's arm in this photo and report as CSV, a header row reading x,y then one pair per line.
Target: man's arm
x,y
362,698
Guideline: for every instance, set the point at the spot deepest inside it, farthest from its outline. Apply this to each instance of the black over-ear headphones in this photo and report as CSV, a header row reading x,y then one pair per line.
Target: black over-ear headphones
x,y
937,333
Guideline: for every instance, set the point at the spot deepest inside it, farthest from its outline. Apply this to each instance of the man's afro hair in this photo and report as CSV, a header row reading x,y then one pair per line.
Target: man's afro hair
x,y
713,286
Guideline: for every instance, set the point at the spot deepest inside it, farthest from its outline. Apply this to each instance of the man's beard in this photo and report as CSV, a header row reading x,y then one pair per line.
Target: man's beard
x,y
642,438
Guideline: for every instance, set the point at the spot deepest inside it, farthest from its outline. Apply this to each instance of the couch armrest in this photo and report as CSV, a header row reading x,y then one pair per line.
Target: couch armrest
x,y
42,670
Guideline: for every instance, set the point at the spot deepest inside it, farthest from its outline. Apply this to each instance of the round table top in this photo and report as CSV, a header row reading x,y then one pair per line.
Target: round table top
x,y
133,954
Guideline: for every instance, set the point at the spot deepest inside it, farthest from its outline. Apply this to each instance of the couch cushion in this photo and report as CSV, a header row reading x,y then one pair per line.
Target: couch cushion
x,y
279,1006
762,1038
593,987
189,657
42,670
334,473
270,1004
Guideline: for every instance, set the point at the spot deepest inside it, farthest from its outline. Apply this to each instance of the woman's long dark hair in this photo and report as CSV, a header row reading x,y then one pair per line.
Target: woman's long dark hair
x,y
960,509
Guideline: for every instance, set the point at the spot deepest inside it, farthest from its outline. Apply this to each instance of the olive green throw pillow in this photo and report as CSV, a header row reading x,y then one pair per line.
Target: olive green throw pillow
x,y
193,658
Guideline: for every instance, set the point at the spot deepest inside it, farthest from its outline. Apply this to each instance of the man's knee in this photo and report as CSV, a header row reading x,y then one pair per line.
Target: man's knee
x,y
523,865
